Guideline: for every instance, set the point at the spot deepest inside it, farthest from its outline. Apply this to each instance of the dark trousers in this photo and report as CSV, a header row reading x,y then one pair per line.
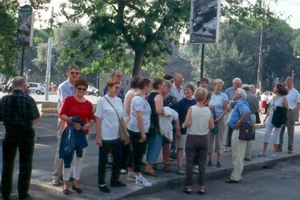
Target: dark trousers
x,y
196,145
290,125
125,158
116,148
138,150
23,138
229,134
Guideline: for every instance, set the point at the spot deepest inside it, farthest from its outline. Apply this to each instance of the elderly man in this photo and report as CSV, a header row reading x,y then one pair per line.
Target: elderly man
x,y
18,112
293,99
254,106
241,114
236,83
177,89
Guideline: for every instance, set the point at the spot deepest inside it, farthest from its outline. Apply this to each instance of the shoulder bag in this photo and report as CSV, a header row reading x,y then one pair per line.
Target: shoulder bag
x,y
246,130
122,129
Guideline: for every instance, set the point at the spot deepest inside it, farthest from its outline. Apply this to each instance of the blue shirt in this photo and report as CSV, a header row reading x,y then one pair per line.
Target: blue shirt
x,y
241,106
64,90
230,92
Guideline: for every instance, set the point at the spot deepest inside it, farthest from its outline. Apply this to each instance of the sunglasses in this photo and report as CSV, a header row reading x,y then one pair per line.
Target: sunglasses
x,y
81,89
77,73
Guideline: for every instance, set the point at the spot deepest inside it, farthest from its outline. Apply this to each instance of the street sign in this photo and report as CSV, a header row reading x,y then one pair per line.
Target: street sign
x,y
25,26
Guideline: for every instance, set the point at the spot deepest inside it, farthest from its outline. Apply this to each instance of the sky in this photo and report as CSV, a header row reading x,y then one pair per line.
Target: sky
x,y
283,8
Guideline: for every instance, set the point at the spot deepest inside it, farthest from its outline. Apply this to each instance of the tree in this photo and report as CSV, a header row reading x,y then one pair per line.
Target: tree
x,y
140,28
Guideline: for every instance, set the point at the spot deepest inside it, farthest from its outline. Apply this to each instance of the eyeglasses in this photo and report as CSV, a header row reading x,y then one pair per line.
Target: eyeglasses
x,y
81,89
77,73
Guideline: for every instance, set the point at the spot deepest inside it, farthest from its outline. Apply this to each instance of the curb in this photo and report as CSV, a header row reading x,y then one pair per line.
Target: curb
x,y
221,173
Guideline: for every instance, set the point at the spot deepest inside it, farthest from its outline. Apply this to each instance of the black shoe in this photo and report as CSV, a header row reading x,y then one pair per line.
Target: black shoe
x,y
117,184
25,197
229,180
104,189
290,151
66,191
78,190
209,163
218,164
278,150
247,159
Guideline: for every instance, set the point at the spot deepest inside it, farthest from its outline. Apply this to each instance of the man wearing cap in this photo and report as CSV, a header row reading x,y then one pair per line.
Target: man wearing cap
x,y
254,106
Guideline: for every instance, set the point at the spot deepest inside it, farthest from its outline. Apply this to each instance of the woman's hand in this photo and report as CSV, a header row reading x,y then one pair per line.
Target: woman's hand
x,y
143,137
126,142
77,126
99,141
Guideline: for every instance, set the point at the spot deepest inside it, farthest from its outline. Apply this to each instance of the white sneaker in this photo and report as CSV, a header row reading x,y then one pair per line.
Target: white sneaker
x,y
131,177
141,181
123,171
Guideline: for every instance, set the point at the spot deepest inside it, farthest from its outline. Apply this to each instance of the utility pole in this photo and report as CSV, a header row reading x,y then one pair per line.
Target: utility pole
x,y
48,71
260,59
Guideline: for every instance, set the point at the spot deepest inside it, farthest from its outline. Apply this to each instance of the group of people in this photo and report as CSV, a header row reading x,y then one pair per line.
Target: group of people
x,y
159,114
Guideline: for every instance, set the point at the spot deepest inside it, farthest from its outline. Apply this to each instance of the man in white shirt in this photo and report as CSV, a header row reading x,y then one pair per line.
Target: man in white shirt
x,y
177,89
293,99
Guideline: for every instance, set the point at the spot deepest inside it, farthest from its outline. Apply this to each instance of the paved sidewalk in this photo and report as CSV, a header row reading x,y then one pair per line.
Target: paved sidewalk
x,y
46,145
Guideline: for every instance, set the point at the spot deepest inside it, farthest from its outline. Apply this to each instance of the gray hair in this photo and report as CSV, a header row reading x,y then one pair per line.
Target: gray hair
x,y
18,81
114,72
237,80
241,92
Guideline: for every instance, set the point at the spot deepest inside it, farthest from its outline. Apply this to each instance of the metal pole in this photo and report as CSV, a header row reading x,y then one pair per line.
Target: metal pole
x,y
202,62
259,69
22,61
48,71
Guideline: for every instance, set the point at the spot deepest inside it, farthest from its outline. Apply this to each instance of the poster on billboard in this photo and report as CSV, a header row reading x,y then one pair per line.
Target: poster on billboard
x,y
205,19
25,26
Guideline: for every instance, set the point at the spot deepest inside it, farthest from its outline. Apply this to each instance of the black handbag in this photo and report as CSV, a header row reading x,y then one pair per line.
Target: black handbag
x,y
246,132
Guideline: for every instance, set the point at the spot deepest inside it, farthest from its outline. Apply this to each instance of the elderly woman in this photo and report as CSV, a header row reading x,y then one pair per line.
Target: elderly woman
x,y
278,101
154,138
241,114
199,122
138,128
78,106
182,108
218,105
109,110
171,102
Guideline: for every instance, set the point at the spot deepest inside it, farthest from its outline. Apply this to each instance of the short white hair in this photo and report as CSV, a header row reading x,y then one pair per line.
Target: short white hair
x,y
241,92
237,80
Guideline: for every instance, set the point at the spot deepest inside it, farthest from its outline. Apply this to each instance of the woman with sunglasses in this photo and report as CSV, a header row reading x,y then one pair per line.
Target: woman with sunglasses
x,y
108,112
76,106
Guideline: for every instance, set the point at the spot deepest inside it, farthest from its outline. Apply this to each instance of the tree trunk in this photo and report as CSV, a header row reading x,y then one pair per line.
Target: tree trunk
x,y
138,61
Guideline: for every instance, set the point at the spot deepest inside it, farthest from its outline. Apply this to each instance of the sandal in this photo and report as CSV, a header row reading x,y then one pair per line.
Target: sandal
x,y
151,173
166,168
187,190
201,190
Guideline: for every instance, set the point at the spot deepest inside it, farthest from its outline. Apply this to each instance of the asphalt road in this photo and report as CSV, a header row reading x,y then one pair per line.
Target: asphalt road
x,y
279,182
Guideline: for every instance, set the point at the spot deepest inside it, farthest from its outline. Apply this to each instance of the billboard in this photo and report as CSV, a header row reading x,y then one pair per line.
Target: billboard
x,y
205,19
25,26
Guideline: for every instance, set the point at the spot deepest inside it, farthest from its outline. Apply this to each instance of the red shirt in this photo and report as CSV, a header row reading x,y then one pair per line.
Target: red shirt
x,y
72,107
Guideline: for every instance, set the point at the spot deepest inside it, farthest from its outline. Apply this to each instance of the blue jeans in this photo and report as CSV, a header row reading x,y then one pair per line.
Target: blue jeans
x,y
154,147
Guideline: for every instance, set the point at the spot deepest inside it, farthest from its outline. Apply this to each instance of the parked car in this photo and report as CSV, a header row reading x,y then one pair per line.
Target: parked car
x,y
37,88
90,90
97,93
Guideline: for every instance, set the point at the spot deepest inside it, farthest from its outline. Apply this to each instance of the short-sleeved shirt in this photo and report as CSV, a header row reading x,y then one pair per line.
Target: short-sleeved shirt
x,y
18,109
64,90
217,101
293,97
71,107
138,103
182,108
108,116
241,106
230,92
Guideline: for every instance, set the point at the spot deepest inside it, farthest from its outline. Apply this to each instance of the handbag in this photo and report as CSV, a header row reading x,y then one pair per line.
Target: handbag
x,y
122,129
246,130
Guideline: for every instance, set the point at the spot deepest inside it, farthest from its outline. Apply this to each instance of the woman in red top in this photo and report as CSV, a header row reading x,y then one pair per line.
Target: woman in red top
x,y
77,105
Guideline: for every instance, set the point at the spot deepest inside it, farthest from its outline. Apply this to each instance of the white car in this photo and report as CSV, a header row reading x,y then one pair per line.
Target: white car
x,y
90,90
37,88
